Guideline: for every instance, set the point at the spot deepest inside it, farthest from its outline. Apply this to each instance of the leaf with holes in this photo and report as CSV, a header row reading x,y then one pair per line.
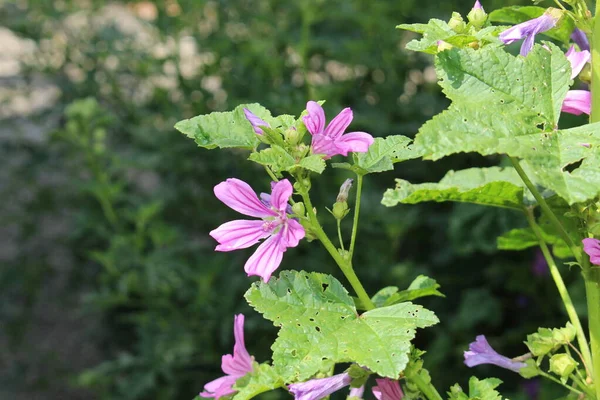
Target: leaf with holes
x,y
319,326
500,187
278,159
515,15
262,379
383,153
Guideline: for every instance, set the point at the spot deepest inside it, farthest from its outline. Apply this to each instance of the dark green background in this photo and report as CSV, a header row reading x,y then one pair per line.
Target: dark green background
x,y
109,286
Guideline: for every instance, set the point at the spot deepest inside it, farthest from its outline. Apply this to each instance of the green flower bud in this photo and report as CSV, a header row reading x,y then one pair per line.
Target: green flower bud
x,y
477,16
456,23
530,370
562,365
340,209
294,135
298,209
443,46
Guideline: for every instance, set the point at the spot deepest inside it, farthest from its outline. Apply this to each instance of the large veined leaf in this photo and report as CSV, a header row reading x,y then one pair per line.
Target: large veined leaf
x,y
319,326
500,187
516,14
504,104
384,152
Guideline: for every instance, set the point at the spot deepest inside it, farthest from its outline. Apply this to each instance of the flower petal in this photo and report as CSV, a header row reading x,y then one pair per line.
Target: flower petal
x,y
592,248
266,258
338,125
219,387
387,389
357,392
255,121
292,233
356,142
316,389
577,102
578,59
280,196
239,196
580,39
241,362
325,145
239,234
315,120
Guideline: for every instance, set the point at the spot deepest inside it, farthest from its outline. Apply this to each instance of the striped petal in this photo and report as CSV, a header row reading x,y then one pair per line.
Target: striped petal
x,y
266,258
239,196
239,234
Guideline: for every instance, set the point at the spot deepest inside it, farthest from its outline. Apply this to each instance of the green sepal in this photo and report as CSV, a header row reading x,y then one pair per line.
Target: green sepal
x,y
495,186
279,160
530,370
319,326
547,340
516,14
262,379
359,375
562,365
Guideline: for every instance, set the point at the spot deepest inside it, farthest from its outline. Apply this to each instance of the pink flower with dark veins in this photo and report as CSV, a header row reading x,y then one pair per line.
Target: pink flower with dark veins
x,y
592,249
234,366
274,225
387,389
577,102
330,140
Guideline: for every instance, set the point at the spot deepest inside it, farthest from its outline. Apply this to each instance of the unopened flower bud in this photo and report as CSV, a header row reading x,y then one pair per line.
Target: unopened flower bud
x,y
340,209
443,46
456,23
293,136
344,190
477,16
298,209
562,364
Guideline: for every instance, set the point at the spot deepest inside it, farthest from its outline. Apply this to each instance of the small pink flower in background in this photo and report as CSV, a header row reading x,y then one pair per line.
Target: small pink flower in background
x,y
331,140
577,102
578,59
279,231
528,30
592,248
234,366
255,121
316,389
387,389
480,352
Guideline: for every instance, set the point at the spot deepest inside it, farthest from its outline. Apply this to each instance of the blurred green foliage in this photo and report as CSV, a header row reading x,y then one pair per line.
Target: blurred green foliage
x,y
110,287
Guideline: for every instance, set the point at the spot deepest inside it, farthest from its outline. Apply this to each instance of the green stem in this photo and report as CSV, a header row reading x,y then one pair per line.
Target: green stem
x,y
335,254
562,290
546,209
359,182
424,385
592,290
548,376
339,229
595,86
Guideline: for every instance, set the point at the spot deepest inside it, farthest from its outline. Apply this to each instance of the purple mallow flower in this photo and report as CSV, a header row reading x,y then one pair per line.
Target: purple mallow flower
x,y
279,231
234,366
255,121
316,389
529,29
578,59
387,389
480,352
592,248
331,140
580,39
577,102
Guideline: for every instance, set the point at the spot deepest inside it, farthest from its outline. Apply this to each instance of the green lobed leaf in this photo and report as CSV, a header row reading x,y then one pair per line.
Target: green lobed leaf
x,y
505,104
262,379
421,286
478,390
524,238
224,129
320,326
500,187
384,152
278,159
436,30
516,14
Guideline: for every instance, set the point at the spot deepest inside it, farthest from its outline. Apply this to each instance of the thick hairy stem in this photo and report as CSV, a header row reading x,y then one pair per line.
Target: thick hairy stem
x,y
344,265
